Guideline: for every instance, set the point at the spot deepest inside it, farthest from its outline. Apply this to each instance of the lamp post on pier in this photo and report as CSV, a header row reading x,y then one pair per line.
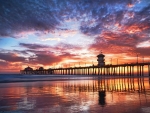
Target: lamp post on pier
x,y
111,61
137,58
117,61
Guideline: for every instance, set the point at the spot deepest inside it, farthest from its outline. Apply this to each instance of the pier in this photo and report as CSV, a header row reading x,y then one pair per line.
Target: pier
x,y
128,69
121,69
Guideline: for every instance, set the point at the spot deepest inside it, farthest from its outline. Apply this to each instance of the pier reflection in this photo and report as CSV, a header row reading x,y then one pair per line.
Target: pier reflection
x,y
99,94
128,84
102,95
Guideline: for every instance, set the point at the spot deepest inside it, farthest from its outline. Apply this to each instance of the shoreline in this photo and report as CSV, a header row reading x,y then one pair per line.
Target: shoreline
x,y
15,78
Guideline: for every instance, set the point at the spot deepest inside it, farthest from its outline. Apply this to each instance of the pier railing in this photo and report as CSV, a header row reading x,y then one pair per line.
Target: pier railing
x,y
121,69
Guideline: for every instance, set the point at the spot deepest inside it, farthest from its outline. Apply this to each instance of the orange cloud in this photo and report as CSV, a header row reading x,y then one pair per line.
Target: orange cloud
x,y
136,28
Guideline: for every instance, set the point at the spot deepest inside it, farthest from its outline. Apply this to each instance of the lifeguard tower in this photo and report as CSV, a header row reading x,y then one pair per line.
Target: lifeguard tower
x,y
101,60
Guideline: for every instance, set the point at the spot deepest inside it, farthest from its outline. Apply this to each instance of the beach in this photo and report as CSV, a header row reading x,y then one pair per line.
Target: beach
x,y
72,94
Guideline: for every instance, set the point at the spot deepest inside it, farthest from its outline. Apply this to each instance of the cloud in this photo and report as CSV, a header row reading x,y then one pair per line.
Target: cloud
x,y
47,39
144,44
44,59
4,64
59,47
143,51
47,55
121,30
113,43
29,15
49,58
9,67
33,46
11,62
116,26
116,18
11,57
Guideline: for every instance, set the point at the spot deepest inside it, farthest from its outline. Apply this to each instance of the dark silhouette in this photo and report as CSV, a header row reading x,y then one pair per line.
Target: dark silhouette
x,y
128,69
101,60
41,68
102,95
28,69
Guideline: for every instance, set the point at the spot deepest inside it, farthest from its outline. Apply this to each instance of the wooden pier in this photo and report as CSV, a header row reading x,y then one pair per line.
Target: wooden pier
x,y
131,69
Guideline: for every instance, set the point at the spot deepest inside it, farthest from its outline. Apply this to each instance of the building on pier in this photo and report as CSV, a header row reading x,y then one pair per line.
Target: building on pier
x,y
28,69
101,60
41,68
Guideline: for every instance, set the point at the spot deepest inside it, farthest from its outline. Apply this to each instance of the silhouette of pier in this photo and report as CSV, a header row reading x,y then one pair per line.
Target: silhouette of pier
x,y
121,69
100,69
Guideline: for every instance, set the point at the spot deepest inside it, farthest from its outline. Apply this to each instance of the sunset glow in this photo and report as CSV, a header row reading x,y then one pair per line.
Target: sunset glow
x,y
63,33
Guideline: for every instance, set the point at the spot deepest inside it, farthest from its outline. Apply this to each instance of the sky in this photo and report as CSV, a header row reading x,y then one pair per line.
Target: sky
x,y
63,33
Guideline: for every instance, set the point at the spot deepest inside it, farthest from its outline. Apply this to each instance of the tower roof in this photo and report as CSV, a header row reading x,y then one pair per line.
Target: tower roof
x,y
28,68
100,55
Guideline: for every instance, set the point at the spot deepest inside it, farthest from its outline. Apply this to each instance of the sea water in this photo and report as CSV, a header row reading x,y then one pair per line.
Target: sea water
x,y
74,94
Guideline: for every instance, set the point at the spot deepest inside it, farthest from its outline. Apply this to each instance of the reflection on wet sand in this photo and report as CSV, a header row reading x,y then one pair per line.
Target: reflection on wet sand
x,y
94,95
102,95
118,85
